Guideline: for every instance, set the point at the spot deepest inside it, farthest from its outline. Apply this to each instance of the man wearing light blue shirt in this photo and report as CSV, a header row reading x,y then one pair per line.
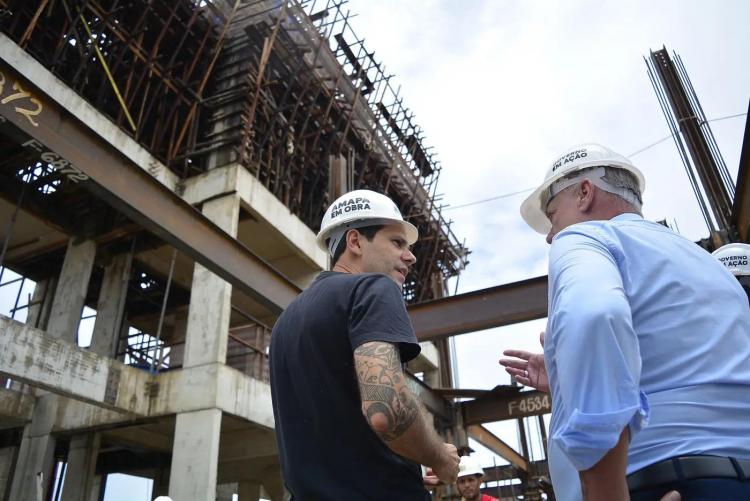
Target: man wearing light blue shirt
x,y
647,347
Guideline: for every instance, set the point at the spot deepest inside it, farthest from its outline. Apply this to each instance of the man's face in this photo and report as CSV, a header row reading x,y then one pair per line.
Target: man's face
x,y
562,211
388,253
468,487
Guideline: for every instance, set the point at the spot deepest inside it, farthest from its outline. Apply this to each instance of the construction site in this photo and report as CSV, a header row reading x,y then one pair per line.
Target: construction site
x,y
165,166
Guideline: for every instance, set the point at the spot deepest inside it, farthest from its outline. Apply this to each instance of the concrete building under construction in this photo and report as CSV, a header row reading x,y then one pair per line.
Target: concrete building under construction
x,y
165,165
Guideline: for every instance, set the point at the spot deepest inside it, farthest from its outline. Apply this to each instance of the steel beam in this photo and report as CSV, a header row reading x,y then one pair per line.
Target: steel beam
x,y
505,405
435,403
479,310
493,443
44,126
741,206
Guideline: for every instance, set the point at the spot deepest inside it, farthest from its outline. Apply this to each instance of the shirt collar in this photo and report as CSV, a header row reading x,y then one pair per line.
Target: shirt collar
x,y
627,216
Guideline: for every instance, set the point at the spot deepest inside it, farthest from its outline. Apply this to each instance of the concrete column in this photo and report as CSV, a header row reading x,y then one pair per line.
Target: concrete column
x,y
249,491
338,176
36,454
7,459
160,486
195,455
80,473
97,488
71,290
44,293
210,296
111,304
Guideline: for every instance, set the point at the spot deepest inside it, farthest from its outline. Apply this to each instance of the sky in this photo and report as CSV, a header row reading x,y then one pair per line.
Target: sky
x,y
503,87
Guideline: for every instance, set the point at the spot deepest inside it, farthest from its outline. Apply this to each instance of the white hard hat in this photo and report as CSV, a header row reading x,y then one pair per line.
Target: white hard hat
x,y
736,257
163,498
357,209
575,159
469,466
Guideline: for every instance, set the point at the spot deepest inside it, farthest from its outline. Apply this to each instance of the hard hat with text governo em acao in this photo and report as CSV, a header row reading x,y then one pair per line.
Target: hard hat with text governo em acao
x,y
469,466
736,257
357,209
575,159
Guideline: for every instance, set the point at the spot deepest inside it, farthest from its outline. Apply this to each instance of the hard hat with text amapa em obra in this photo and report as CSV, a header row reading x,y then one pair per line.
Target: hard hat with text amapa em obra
x,y
574,159
735,257
360,208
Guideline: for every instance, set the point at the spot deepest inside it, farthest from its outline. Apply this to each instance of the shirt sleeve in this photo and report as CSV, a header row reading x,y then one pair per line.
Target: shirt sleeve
x,y
378,313
594,349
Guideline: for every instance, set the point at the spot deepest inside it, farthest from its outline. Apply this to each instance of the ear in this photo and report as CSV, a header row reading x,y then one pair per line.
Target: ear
x,y
354,242
585,200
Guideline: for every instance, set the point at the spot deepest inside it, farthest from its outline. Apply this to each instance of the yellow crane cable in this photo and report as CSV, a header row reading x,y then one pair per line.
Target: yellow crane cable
x,y
109,75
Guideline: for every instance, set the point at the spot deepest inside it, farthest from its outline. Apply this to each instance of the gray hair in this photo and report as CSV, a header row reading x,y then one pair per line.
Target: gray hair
x,y
613,176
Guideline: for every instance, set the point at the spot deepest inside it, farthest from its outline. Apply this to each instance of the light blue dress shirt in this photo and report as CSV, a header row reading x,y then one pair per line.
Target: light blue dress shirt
x,y
648,330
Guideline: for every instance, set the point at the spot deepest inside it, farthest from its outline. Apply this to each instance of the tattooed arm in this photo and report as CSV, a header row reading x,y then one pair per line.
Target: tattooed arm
x,y
393,412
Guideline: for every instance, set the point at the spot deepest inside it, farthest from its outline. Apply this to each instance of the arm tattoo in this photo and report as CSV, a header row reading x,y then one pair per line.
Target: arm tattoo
x,y
382,388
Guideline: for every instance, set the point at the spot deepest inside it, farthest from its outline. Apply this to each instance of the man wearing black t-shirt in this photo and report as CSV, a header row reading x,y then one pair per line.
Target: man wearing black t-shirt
x,y
347,425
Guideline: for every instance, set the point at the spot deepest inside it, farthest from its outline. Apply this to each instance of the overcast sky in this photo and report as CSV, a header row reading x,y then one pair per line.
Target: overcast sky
x,y
502,87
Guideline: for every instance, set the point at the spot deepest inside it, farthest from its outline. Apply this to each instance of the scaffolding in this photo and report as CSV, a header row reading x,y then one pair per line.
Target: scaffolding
x,y
285,89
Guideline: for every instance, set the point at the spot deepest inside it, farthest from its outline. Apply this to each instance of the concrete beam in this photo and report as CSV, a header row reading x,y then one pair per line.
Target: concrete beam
x,y
119,393
427,360
16,408
39,359
256,198
247,444
222,387
140,438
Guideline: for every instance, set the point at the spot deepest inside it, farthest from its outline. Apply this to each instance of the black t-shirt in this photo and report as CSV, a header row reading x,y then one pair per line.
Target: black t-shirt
x,y
327,449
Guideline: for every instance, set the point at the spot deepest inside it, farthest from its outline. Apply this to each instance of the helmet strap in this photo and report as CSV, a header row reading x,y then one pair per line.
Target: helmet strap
x,y
596,177
340,232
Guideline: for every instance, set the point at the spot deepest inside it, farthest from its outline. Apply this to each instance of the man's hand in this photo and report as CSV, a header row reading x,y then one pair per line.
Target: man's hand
x,y
528,368
447,469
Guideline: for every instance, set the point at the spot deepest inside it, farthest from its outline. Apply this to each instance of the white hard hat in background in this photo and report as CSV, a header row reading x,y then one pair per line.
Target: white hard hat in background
x,y
575,159
360,208
735,257
469,466
163,498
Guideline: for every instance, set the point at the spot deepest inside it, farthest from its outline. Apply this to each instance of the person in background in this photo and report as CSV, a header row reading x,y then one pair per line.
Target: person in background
x,y
736,258
470,474
647,348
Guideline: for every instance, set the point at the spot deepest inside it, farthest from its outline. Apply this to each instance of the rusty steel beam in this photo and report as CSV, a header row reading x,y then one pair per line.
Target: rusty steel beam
x,y
741,206
504,405
438,405
479,310
43,125
493,443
